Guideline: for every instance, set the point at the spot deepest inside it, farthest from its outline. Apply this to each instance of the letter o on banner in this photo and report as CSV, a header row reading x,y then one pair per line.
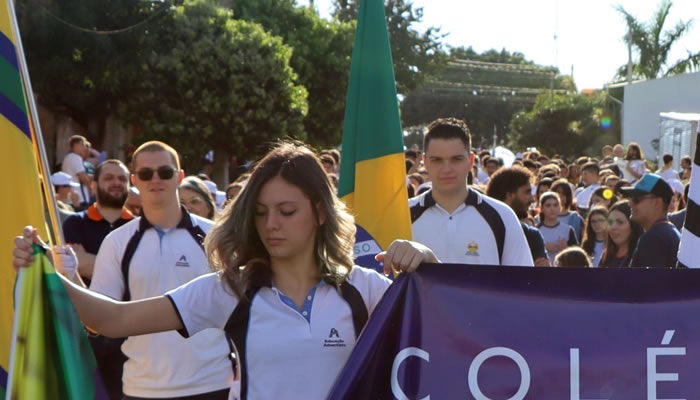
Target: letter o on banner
x,y
400,357
495,352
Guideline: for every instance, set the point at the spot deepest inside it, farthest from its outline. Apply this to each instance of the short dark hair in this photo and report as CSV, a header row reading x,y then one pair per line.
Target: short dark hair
x,y
448,128
410,154
507,180
98,169
591,166
667,158
563,185
492,160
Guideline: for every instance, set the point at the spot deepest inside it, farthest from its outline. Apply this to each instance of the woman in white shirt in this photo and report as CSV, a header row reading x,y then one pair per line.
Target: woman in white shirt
x,y
285,247
635,167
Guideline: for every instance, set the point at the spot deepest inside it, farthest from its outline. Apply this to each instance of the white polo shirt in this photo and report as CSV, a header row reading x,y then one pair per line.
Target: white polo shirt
x,y
288,356
465,236
163,365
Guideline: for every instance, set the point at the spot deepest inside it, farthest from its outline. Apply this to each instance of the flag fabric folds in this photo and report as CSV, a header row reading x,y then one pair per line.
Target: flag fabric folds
x,y
49,357
52,356
690,237
21,203
373,173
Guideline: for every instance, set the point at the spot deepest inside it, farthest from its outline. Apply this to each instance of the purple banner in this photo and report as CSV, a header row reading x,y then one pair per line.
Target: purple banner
x,y
473,332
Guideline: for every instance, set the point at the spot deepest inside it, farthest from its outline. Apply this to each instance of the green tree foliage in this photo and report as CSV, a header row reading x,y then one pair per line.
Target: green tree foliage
x,y
565,124
653,45
493,55
416,55
83,58
321,58
219,83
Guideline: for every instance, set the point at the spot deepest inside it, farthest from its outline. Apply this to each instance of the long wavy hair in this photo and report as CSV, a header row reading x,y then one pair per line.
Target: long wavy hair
x,y
234,246
588,242
636,231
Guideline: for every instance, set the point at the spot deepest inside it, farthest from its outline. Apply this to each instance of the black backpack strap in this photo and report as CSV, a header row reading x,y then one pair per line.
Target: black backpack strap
x,y
129,254
357,305
237,331
492,217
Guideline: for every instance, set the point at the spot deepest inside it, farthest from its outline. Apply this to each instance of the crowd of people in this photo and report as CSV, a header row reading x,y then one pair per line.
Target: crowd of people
x,y
141,248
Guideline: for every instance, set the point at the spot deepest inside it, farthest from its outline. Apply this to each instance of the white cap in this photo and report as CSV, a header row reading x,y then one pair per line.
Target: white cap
x,y
62,179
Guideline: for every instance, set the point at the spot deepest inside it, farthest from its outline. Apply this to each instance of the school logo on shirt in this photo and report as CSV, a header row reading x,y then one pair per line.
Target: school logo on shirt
x,y
334,339
182,262
472,249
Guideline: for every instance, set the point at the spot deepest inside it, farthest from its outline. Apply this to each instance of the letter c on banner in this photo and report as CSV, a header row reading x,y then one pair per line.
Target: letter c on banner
x,y
404,354
519,360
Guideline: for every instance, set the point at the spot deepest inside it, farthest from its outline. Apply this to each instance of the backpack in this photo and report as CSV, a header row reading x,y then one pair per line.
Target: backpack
x,y
237,325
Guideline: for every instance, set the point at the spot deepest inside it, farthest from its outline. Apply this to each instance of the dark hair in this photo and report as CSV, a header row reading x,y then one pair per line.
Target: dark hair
x,y
591,166
492,160
687,159
527,163
544,181
409,164
507,180
667,158
600,192
564,186
588,241
410,154
448,128
118,163
636,231
640,153
572,256
234,247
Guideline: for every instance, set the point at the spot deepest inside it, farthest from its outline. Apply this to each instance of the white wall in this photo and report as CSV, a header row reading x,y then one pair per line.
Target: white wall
x,y
645,100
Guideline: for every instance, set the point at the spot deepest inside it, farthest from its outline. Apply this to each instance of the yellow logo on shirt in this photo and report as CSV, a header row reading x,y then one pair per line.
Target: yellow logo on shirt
x,y
472,249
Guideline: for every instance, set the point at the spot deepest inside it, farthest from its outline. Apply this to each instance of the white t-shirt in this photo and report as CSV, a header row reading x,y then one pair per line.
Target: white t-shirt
x,y
464,236
163,365
73,165
583,195
668,174
287,356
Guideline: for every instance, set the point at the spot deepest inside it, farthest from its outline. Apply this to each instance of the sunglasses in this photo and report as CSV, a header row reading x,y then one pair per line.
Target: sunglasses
x,y
165,172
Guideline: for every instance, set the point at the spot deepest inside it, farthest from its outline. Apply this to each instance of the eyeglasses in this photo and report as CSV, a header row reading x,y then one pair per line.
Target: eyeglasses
x,y
639,199
165,172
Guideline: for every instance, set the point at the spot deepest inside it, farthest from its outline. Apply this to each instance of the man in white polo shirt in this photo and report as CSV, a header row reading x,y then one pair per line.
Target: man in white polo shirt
x,y
458,223
147,257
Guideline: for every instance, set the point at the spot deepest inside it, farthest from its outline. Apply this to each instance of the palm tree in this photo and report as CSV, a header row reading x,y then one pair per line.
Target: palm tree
x,y
653,45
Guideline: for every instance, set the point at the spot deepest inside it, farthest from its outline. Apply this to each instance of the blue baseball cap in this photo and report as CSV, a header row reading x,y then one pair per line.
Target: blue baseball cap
x,y
650,184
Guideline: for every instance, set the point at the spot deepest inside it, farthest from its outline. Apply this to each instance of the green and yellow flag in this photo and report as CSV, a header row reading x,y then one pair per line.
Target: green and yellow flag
x,y
373,172
51,357
22,202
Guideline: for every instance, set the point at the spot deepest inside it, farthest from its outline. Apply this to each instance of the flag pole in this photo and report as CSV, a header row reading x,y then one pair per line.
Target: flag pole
x,y
37,136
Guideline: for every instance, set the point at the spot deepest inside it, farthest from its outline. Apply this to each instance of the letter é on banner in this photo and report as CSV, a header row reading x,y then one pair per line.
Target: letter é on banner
x,y
404,354
473,376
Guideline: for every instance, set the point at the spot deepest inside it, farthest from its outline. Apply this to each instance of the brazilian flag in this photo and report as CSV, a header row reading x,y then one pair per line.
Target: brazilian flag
x,y
373,172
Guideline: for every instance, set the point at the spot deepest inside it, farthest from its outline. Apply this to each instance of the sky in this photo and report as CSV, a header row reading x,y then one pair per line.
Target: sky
x,y
589,33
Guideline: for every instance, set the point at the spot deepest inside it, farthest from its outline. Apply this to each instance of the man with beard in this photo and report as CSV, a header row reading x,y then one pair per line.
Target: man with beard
x,y
512,186
85,231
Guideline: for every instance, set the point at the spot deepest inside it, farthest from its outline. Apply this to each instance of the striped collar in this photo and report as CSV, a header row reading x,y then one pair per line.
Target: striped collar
x,y
473,198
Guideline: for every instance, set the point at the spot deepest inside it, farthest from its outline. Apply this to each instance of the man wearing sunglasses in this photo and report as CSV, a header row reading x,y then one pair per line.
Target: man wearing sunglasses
x,y
148,256
649,201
